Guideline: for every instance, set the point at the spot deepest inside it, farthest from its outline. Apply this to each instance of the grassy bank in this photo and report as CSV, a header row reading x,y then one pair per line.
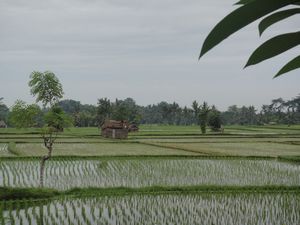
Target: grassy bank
x,y
42,193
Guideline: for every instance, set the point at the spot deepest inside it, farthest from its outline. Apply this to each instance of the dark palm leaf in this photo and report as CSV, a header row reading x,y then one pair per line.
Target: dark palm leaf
x,y
275,17
291,65
273,47
240,18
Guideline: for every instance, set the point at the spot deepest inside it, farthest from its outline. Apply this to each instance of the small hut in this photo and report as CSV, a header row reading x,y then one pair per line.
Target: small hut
x,y
2,124
133,128
115,129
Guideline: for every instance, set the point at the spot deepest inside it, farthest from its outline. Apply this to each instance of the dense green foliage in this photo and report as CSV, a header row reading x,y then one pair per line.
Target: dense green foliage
x,y
57,119
118,110
7,193
104,110
250,11
82,115
23,115
278,111
214,119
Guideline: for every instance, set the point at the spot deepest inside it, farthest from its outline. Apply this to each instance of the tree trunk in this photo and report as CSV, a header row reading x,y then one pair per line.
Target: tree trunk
x,y
42,167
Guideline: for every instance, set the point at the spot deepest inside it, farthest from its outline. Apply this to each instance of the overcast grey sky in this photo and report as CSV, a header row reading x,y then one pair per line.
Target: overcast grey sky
x,y
142,49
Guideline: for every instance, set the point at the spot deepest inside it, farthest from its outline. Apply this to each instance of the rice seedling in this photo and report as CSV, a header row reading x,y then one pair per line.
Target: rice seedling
x,y
144,172
4,150
188,208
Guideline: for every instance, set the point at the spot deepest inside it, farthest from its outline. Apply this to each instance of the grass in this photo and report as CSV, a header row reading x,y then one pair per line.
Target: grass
x,y
218,145
26,193
221,139
97,149
249,148
13,149
294,159
7,193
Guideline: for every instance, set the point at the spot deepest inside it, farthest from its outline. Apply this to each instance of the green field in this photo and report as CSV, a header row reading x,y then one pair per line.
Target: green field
x,y
97,149
238,162
268,141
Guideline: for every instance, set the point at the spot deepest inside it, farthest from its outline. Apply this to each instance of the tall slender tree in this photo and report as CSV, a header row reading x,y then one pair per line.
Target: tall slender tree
x,y
48,90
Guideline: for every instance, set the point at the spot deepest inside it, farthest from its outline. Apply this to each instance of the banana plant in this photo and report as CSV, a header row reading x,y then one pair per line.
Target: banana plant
x,y
250,11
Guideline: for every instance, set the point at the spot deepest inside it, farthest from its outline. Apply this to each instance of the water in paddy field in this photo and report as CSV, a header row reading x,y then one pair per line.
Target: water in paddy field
x,y
66,174
4,148
214,208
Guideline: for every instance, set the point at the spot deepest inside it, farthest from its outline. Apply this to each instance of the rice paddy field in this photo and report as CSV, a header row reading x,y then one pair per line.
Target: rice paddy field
x,y
218,209
260,157
144,172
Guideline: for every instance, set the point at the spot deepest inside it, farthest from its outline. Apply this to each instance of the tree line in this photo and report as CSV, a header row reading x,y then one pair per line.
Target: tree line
x,y
279,111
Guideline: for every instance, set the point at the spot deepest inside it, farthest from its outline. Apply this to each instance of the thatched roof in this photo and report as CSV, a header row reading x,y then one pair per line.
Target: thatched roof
x,y
115,124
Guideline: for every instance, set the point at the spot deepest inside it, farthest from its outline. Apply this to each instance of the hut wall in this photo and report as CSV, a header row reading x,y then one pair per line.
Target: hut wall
x,y
114,133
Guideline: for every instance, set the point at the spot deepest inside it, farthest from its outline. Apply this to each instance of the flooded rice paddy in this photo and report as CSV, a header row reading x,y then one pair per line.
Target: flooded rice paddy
x,y
144,172
201,208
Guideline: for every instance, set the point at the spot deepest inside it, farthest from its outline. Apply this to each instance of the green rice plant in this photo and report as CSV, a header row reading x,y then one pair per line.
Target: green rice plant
x,y
145,172
4,150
